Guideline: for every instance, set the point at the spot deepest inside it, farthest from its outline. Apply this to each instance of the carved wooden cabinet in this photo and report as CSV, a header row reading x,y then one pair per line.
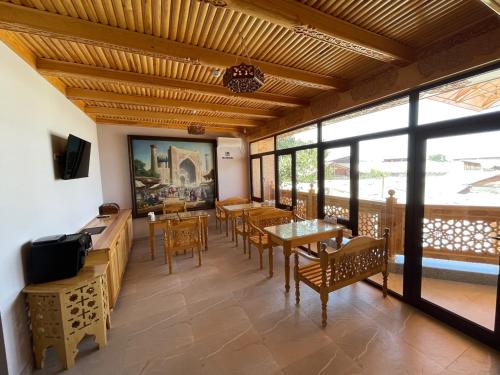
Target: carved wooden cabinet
x,y
63,312
113,245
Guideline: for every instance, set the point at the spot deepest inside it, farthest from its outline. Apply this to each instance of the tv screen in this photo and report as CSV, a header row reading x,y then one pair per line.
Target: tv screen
x,y
77,158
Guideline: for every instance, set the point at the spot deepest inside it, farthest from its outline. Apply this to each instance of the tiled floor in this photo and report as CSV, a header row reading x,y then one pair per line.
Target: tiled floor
x,y
228,317
475,302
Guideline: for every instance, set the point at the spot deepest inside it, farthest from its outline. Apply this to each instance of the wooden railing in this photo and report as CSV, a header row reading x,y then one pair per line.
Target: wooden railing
x,y
449,232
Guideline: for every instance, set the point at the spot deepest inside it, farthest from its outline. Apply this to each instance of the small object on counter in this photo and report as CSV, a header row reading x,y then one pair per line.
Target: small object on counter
x,y
151,215
109,208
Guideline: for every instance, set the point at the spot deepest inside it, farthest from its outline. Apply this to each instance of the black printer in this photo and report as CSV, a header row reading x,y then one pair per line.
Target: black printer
x,y
57,257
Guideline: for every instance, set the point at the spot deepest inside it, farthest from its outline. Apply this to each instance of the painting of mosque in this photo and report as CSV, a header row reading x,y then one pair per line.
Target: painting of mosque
x,y
171,169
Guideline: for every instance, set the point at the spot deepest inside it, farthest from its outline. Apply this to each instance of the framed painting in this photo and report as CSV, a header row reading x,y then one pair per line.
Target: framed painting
x,y
163,169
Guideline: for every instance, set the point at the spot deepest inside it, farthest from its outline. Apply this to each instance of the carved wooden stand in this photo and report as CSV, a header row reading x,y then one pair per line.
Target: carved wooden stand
x,y
63,312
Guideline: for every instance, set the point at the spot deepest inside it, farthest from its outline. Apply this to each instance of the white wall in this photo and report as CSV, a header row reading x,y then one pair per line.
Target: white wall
x,y
113,151
33,203
233,175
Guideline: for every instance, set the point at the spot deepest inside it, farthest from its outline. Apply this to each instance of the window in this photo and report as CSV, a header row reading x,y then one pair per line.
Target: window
x,y
304,136
264,145
387,116
256,175
468,97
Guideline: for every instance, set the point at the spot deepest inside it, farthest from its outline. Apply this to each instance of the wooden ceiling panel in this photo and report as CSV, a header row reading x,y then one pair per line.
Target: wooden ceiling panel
x,y
158,109
165,51
414,23
164,94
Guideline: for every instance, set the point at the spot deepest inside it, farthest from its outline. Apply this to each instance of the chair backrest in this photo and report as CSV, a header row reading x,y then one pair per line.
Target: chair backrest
x,y
172,207
274,216
360,258
231,200
183,233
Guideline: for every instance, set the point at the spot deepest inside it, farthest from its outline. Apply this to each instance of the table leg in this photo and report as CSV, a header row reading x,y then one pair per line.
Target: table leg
x,y
233,227
205,233
287,251
152,240
338,238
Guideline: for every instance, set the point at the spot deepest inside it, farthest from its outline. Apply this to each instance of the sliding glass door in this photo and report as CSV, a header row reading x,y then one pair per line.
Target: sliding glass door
x,y
298,181
460,224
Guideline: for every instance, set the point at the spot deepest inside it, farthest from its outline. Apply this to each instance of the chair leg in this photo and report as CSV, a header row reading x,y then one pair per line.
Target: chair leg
x,y
324,303
199,255
271,266
165,250
297,281
236,239
192,252
385,274
244,244
169,252
260,257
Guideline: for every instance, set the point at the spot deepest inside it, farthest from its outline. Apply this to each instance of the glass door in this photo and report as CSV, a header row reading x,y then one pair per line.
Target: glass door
x,y
461,219
285,180
337,183
298,181
306,183
268,178
255,172
383,170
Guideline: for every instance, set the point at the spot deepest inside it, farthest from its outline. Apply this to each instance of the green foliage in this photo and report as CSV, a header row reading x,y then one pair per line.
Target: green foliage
x,y
437,157
306,163
375,173
139,168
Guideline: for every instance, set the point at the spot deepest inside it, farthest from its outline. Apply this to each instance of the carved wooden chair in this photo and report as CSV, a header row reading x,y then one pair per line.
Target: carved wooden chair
x,y
172,207
242,223
257,236
362,257
220,214
182,235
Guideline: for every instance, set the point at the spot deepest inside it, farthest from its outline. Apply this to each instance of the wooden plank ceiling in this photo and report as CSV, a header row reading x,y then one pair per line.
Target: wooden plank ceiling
x,y
152,62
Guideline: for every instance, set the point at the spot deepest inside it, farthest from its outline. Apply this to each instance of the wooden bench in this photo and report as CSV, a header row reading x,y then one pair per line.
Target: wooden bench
x,y
359,259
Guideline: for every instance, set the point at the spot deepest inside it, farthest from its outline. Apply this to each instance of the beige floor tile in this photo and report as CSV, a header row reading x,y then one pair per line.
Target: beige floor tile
x,y
229,317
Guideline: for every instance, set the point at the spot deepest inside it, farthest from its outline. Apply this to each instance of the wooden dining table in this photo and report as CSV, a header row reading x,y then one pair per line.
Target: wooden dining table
x,y
160,221
300,233
234,211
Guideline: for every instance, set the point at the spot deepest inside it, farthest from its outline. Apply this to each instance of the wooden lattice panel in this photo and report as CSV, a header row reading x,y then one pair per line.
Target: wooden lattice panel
x,y
81,305
302,207
352,265
460,236
44,314
65,311
336,207
368,224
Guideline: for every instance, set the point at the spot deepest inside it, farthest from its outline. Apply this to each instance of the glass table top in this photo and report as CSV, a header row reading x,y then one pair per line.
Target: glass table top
x,y
189,214
240,207
179,215
161,218
302,229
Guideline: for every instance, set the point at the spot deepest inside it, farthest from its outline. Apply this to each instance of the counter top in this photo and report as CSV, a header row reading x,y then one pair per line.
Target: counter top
x,y
113,226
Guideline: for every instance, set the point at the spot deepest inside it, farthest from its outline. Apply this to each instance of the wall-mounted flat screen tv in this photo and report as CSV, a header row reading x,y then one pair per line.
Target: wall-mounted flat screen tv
x,y
75,162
